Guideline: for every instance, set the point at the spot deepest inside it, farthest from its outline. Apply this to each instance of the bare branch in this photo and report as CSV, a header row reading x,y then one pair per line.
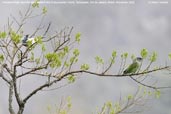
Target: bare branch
x,y
33,70
47,29
149,86
110,65
120,67
5,79
15,20
38,28
7,69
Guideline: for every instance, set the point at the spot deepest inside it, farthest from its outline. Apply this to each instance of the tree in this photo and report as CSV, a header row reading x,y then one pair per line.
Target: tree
x,y
57,62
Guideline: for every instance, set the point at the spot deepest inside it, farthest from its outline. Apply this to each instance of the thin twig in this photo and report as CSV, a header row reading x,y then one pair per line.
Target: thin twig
x,y
47,29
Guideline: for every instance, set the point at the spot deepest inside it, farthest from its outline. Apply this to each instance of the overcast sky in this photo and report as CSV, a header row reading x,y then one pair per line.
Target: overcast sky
x,y
126,28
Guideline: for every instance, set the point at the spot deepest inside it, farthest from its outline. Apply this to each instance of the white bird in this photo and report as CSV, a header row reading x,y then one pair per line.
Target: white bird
x,y
26,39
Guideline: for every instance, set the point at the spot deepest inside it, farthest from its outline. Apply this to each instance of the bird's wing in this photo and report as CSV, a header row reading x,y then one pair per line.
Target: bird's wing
x,y
24,39
132,68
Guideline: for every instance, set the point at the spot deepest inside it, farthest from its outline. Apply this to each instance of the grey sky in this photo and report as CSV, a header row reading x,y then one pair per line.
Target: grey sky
x,y
126,28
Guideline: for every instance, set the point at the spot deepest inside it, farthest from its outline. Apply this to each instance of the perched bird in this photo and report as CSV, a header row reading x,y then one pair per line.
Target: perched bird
x,y
24,40
27,39
133,68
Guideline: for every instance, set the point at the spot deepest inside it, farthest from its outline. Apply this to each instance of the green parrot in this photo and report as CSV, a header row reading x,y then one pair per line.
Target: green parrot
x,y
133,67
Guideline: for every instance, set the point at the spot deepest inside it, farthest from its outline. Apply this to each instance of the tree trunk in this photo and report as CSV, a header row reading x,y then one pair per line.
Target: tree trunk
x,y
11,110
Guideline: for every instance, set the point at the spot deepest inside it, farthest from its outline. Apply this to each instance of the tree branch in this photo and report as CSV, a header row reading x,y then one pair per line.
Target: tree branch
x,y
149,86
47,29
5,79
32,70
19,100
110,65
88,72
119,75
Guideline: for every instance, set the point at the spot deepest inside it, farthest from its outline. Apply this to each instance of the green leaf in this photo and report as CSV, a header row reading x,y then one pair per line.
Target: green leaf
x,y
71,79
44,10
112,111
157,94
1,58
69,104
103,109
32,56
76,52
169,56
109,104
144,53
77,37
112,60
144,91
16,38
35,4
133,57
72,59
149,93
130,97
49,56
54,60
3,35
76,60
63,112
19,55
124,55
114,53
69,99
43,48
66,49
66,64
153,57
49,108
117,106
29,43
38,39
85,67
99,60
37,60
61,54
